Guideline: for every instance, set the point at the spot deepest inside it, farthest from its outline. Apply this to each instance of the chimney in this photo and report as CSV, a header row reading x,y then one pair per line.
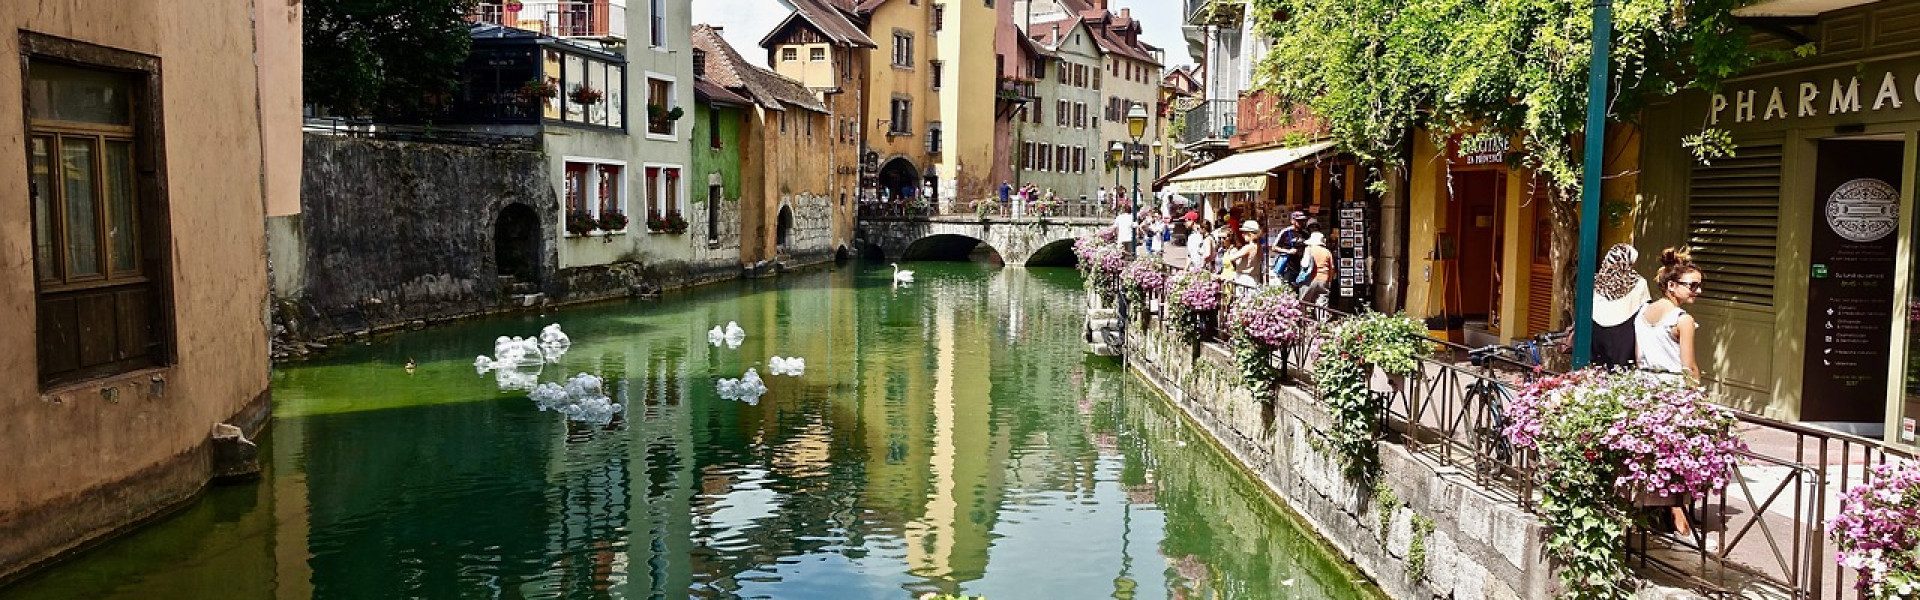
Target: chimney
x,y
1126,13
1056,34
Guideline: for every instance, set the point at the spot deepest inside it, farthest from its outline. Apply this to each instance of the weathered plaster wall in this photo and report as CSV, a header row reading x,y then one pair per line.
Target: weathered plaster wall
x,y
86,460
399,231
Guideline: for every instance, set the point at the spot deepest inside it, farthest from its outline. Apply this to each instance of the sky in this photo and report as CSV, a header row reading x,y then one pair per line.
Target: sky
x,y
746,21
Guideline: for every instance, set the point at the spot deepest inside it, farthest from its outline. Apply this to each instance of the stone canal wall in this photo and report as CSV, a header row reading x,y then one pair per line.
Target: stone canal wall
x,y
1420,531
392,232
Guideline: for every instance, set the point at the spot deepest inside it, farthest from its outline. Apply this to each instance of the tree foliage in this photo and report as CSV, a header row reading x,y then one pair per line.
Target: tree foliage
x,y
384,58
1376,70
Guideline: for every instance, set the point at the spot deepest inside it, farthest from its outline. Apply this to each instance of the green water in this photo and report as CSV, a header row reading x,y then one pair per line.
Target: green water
x,y
947,436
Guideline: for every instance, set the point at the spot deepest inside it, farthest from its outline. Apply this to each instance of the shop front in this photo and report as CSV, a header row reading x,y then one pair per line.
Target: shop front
x,y
1481,242
1269,185
1804,233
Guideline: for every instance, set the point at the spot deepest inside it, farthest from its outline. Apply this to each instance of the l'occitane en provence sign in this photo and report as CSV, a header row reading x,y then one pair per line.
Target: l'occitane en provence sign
x,y
1858,92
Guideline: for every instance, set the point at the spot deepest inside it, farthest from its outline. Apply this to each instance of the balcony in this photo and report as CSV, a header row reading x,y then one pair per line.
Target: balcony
x,y
590,19
1209,123
1014,89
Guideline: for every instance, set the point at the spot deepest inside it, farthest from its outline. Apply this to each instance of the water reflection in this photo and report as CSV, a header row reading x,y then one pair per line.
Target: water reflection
x,y
947,436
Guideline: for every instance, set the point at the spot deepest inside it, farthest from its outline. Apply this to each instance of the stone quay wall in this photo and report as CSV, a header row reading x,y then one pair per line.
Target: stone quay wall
x,y
1420,530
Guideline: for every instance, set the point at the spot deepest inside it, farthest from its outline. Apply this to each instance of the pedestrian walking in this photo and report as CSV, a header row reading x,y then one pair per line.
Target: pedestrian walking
x,y
1106,199
1316,270
1123,229
1619,294
1198,248
1287,246
1241,261
1664,332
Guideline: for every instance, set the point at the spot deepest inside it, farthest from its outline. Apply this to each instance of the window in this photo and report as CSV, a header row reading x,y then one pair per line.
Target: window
x,y
1060,158
699,62
595,187
663,192
937,67
939,16
713,128
902,49
658,16
1039,112
807,120
96,234
901,118
713,212
660,116
1061,113
590,91
817,54
789,54
933,137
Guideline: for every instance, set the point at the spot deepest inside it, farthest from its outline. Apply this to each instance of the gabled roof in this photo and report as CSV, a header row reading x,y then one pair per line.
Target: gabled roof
x,y
712,93
1043,32
824,18
770,90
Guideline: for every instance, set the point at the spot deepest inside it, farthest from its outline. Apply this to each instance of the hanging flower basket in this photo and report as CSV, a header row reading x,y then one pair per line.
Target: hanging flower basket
x,y
585,95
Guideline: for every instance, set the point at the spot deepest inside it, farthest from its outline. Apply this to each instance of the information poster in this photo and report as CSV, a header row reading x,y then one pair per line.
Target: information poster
x,y
1850,286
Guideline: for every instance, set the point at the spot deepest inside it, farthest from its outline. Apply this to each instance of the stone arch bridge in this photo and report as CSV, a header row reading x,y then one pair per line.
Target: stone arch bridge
x,y
1044,241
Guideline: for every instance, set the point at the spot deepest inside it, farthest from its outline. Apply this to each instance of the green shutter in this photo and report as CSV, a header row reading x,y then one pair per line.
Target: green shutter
x,y
1733,215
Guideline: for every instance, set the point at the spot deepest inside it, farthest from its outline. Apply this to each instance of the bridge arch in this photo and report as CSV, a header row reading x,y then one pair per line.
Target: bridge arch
x,y
950,247
1058,253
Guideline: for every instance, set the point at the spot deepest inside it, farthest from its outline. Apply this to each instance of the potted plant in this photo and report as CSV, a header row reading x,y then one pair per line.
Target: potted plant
x,y
581,223
654,222
1262,324
585,95
1607,441
612,221
1878,531
538,90
675,223
1193,304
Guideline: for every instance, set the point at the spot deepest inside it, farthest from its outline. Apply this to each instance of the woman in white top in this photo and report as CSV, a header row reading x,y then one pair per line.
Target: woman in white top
x,y
1664,332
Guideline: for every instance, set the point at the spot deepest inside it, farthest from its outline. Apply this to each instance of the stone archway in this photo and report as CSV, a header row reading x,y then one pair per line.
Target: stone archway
x,y
899,177
516,243
783,228
950,247
1059,253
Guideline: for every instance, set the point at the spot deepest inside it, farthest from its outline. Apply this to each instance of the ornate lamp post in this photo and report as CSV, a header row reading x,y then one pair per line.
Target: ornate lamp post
x,y
1136,126
1116,153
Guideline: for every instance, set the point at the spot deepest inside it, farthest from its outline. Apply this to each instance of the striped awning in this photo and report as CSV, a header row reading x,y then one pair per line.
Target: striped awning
x,y
1244,172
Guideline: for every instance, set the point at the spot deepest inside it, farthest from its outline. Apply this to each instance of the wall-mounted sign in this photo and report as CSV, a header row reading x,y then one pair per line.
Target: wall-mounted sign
x,y
1851,92
1850,285
1480,149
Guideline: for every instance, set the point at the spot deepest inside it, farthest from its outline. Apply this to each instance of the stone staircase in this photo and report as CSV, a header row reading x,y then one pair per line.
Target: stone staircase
x,y
520,293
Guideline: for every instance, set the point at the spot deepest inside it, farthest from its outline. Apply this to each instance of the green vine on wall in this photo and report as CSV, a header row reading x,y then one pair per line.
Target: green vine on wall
x,y
1354,347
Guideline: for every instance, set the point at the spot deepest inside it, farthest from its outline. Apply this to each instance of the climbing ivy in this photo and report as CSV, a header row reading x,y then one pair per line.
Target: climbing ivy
x,y
1375,70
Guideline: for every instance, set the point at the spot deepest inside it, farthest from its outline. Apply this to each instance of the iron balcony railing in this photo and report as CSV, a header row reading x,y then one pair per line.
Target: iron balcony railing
x,y
1210,121
598,19
1766,535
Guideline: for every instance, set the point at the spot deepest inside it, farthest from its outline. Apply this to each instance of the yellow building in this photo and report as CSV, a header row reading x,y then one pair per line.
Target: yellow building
x,y
149,146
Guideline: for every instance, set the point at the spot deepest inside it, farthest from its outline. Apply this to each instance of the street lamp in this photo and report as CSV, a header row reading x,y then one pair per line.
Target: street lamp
x,y
1156,159
1136,125
1116,153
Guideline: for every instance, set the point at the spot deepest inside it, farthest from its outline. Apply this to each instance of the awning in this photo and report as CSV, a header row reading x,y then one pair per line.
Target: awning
x,y
1244,172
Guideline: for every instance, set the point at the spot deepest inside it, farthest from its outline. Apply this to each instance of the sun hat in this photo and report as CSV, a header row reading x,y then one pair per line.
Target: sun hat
x,y
1317,239
1250,227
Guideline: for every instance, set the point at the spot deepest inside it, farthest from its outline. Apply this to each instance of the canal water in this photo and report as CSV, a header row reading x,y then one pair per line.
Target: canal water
x,y
947,436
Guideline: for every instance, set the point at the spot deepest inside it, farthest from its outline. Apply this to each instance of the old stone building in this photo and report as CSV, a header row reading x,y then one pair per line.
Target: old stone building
x,y
151,144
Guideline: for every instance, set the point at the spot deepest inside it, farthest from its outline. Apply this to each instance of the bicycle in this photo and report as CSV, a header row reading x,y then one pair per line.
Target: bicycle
x,y
1490,440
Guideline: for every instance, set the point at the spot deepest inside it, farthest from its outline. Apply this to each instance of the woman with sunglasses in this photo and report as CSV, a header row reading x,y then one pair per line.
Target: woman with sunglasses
x,y
1664,331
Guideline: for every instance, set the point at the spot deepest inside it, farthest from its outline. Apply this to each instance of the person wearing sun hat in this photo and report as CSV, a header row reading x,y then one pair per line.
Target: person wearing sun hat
x,y
1618,295
1317,267
1243,258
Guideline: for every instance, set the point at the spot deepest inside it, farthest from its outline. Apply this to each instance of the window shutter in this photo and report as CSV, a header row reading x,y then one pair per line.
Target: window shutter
x,y
1733,214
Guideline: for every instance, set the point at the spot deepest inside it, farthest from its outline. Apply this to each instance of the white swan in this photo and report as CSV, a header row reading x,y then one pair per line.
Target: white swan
x,y
791,367
900,276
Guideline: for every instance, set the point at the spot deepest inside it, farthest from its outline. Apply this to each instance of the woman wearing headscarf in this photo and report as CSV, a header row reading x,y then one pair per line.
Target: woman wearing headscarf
x,y
1618,295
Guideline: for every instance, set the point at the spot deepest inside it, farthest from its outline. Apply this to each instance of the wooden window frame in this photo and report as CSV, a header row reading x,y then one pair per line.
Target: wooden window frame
x,y
153,249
